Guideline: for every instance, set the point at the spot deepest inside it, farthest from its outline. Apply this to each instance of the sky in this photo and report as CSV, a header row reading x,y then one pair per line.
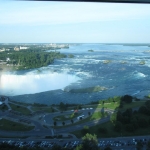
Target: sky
x,y
73,22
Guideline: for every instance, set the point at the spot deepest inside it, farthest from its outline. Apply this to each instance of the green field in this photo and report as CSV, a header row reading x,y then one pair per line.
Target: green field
x,y
13,126
45,109
133,105
66,117
109,126
94,116
110,105
87,90
115,106
20,103
3,107
22,110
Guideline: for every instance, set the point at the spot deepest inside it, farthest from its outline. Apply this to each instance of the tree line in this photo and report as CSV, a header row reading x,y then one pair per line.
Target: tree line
x,y
28,59
131,120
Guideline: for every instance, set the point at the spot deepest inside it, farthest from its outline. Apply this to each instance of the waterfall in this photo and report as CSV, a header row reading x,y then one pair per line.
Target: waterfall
x,y
13,84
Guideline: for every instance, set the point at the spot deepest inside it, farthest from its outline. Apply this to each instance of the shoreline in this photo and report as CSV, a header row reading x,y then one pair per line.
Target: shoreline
x,y
44,98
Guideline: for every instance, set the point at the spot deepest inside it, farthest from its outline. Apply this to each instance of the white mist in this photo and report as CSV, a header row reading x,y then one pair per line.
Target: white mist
x,y
31,83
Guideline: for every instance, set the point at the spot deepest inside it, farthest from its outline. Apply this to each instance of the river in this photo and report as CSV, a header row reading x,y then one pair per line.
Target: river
x,y
113,66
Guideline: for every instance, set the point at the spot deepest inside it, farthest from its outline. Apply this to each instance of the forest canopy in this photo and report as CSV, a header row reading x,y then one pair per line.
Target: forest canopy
x,y
28,59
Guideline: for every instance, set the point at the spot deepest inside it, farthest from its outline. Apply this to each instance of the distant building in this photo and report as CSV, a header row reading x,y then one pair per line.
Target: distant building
x,y
2,50
16,48
8,59
23,47
10,49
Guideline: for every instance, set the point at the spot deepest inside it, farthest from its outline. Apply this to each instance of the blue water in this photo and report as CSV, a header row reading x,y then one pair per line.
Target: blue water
x,y
119,78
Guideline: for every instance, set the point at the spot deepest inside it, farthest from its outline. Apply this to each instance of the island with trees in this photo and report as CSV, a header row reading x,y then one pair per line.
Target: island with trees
x,y
86,90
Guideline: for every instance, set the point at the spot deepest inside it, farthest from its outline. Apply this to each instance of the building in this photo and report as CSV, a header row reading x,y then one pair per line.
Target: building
x,y
2,49
23,47
8,59
16,48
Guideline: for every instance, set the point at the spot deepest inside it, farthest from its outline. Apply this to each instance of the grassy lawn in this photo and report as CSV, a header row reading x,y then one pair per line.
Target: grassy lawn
x,y
90,106
115,106
45,109
23,110
110,126
110,105
133,105
94,116
3,107
20,103
97,115
13,126
66,117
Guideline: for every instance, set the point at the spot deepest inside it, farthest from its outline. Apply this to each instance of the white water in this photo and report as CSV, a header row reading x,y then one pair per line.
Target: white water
x,y
31,83
140,75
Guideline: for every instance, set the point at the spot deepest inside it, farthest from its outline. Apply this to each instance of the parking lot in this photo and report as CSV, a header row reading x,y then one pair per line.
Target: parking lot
x,y
115,144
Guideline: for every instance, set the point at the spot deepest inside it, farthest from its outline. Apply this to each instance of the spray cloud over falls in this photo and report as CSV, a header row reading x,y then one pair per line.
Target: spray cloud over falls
x,y
11,84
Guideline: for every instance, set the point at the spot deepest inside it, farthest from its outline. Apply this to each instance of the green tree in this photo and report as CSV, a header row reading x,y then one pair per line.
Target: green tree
x,y
113,118
55,123
89,113
147,104
139,145
62,106
142,122
102,130
148,145
143,110
126,98
71,56
63,123
90,142
119,116
129,127
134,122
118,126
79,147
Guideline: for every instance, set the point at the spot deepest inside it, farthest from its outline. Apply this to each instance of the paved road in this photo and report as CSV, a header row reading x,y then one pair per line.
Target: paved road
x,y
105,141
40,131
47,119
80,126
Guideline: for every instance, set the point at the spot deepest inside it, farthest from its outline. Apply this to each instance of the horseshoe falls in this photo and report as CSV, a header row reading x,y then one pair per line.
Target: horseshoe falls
x,y
115,67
